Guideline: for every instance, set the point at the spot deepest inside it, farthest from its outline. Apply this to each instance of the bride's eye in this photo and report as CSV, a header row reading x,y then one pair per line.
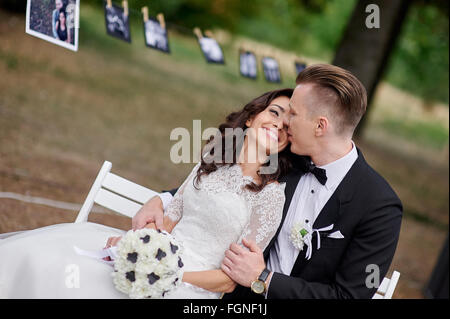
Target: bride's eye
x,y
275,112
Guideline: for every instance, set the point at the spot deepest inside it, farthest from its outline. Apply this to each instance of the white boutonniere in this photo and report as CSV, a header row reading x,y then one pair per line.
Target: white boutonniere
x,y
301,235
298,234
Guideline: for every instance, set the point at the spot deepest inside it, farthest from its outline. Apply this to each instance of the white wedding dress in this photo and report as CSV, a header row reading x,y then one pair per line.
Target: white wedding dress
x,y
212,214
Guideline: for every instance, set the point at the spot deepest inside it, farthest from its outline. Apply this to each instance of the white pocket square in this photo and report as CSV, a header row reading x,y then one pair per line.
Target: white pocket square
x,y
336,235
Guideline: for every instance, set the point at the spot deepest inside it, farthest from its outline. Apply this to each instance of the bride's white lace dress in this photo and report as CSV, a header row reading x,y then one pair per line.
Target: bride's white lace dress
x,y
212,214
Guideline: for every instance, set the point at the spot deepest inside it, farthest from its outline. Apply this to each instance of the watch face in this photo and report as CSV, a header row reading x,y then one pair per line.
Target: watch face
x,y
258,287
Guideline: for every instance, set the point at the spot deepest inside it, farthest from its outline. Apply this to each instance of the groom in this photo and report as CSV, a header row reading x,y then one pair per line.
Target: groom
x,y
350,215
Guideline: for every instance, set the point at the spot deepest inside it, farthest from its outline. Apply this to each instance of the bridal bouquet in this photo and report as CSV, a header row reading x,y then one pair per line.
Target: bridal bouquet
x,y
148,264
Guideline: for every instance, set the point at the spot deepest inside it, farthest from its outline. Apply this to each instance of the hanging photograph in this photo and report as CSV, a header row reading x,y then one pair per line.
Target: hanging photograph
x,y
271,70
156,35
299,66
211,49
117,23
248,64
56,21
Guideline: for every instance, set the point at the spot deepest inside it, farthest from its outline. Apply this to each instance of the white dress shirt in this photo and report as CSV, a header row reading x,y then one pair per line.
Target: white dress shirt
x,y
307,202
166,198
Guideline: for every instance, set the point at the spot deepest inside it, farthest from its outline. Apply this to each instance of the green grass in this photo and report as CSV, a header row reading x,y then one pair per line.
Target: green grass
x,y
10,60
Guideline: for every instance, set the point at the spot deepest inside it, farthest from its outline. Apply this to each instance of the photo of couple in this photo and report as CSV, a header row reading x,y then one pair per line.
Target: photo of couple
x,y
54,21
59,24
236,224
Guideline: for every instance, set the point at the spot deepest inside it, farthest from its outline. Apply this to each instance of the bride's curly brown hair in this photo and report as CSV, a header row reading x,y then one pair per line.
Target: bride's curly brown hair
x,y
237,120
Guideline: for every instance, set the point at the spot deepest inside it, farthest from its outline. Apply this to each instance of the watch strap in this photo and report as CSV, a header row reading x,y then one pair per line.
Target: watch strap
x,y
265,273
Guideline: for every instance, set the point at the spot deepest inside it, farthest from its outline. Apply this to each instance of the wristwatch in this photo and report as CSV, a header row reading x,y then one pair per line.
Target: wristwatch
x,y
259,285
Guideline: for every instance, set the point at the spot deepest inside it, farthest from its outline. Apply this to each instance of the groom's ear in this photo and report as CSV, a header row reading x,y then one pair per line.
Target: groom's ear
x,y
322,125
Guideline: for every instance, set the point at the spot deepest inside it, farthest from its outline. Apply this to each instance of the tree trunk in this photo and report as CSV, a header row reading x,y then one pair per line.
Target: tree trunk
x,y
365,51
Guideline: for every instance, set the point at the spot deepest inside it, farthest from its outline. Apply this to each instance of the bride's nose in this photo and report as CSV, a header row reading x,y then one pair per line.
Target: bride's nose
x,y
279,124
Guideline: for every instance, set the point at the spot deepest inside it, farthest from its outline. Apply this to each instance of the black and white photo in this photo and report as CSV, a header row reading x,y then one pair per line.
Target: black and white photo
x,y
56,21
271,70
211,49
299,66
156,36
247,64
117,22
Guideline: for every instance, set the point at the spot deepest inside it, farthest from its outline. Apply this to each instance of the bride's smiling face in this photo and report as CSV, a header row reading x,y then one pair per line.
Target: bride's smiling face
x,y
268,128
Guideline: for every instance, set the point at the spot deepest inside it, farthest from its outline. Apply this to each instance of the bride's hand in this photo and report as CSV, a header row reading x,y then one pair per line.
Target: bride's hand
x,y
112,241
151,226
167,225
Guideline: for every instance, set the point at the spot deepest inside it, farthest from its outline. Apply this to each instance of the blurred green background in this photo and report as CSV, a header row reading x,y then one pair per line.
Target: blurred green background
x,y
63,113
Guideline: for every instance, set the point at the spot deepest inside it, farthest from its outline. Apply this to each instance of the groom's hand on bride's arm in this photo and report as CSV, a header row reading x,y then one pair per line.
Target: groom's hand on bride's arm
x,y
242,265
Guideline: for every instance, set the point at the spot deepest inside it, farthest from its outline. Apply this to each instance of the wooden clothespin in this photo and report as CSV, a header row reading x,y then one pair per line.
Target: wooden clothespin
x,y
125,7
160,18
244,49
198,33
109,3
144,11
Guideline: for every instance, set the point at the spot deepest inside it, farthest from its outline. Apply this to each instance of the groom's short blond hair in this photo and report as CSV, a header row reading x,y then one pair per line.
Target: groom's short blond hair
x,y
338,89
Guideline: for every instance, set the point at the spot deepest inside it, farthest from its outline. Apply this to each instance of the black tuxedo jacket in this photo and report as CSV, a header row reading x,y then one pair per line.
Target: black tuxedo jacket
x,y
368,213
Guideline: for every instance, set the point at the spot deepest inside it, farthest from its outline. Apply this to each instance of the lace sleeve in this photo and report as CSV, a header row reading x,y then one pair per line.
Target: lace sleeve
x,y
265,218
175,209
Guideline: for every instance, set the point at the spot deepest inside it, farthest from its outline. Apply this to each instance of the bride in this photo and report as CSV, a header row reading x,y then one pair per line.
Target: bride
x,y
221,202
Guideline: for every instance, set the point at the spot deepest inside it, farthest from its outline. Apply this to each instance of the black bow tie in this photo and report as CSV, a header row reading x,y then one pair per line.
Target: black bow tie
x,y
319,173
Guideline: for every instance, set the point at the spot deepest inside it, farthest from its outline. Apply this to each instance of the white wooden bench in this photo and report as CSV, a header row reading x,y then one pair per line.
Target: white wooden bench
x,y
115,193
387,287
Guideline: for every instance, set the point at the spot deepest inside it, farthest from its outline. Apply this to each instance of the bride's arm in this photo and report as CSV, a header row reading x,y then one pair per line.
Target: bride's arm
x,y
213,280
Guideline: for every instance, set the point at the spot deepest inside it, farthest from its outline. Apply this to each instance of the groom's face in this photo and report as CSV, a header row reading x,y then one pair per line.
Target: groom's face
x,y
301,126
